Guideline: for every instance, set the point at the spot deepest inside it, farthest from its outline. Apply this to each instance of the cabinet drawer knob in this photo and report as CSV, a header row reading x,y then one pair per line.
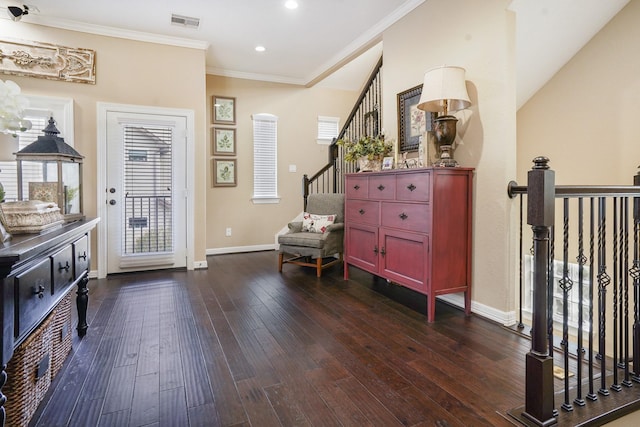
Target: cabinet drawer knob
x,y
83,256
361,211
356,187
411,187
375,249
382,251
380,187
64,267
403,216
39,291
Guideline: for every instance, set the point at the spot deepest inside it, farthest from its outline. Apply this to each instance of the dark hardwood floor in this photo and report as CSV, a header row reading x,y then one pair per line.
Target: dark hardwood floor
x,y
241,345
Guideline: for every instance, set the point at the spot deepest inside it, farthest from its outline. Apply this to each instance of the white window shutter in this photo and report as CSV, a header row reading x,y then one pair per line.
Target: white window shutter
x,y
265,158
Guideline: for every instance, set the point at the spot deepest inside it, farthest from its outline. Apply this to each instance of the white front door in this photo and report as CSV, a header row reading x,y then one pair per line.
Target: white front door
x,y
145,192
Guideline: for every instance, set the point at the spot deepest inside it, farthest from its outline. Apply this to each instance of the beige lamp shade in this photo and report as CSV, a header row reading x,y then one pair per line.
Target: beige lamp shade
x,y
8,147
444,90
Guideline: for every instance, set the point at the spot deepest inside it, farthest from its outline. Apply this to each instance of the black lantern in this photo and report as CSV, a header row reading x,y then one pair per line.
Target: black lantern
x,y
50,170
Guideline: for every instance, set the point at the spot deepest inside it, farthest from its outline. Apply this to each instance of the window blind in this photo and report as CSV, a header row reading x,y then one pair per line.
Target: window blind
x,y
265,160
327,128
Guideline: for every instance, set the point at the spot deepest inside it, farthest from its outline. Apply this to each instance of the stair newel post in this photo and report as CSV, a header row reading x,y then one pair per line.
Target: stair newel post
x,y
539,404
635,274
333,159
305,190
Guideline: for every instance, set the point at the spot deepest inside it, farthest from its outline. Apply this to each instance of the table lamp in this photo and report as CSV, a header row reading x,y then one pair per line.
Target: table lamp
x,y
444,91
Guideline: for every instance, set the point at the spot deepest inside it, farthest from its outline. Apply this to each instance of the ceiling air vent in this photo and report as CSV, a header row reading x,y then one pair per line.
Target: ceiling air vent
x,y
185,21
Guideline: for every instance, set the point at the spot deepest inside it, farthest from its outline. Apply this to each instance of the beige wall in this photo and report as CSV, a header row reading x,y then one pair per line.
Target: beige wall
x,y
480,39
297,108
585,119
127,72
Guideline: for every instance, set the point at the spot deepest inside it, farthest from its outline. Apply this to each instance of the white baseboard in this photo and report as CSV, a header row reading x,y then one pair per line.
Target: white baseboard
x,y
238,249
200,265
506,318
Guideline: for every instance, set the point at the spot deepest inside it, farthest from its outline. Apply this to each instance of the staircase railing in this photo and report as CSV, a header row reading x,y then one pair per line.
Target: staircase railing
x,y
365,119
592,339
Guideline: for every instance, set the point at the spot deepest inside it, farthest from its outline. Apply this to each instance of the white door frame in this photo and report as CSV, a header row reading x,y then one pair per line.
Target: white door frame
x,y
101,163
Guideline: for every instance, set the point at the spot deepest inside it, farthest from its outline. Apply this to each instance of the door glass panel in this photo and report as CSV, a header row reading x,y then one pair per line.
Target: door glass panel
x,y
148,222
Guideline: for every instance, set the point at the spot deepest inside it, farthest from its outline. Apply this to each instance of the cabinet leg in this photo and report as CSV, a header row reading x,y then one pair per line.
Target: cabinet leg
x,y
431,308
3,398
82,301
467,303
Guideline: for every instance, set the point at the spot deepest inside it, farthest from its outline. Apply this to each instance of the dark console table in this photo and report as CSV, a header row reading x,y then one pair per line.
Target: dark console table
x,y
37,271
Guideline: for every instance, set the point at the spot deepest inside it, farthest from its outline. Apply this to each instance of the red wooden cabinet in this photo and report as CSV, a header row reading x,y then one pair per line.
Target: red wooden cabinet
x,y
412,227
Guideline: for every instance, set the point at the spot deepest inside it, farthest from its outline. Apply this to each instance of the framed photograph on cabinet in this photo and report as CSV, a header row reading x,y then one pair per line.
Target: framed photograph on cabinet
x,y
224,110
224,173
387,163
224,141
412,123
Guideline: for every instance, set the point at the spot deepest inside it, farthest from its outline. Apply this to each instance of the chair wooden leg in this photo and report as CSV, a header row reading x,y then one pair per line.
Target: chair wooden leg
x,y
280,259
319,266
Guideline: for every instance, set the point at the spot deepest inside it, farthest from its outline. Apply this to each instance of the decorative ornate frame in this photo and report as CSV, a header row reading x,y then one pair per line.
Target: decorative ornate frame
x,y
412,123
47,61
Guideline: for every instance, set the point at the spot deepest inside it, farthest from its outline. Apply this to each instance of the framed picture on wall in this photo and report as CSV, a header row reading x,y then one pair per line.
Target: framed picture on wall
x,y
224,141
412,122
224,173
224,110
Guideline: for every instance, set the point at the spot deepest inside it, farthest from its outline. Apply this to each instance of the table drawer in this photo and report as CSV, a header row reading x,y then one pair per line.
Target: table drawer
x,y
411,217
62,269
33,288
362,212
413,187
382,187
357,187
80,256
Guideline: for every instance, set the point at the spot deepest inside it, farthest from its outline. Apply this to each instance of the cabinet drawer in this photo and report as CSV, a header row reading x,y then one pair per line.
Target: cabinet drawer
x,y
62,269
405,216
357,187
33,288
80,256
413,187
382,187
362,211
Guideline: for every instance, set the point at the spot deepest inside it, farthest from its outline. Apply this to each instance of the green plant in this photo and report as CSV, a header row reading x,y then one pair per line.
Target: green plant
x,y
70,193
367,146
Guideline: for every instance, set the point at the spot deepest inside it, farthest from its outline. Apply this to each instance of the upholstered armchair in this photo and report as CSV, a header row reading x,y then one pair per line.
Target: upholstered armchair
x,y
318,238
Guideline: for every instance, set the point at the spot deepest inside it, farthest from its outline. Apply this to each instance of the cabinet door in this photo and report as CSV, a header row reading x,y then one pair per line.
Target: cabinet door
x,y
404,258
362,246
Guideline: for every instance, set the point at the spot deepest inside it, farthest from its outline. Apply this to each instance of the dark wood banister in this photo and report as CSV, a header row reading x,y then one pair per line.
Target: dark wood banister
x,y
333,148
372,77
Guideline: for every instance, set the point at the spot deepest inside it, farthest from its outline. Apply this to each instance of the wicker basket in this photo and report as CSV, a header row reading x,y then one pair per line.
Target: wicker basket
x,y
60,334
24,388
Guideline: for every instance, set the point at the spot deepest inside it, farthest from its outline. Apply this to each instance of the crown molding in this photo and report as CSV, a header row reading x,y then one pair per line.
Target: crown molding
x,y
367,39
102,30
273,78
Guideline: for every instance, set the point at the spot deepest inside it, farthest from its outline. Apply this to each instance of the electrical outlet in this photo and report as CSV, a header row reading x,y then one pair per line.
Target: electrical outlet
x,y
228,232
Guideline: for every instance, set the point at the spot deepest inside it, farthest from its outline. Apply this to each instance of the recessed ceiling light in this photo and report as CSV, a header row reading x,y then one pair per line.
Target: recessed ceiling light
x,y
291,4
260,48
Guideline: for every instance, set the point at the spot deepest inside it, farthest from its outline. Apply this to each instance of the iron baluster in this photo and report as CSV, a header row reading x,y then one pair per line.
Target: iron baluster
x,y
565,284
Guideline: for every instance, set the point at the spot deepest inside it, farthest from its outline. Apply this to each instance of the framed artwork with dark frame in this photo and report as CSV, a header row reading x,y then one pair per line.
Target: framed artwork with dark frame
x,y
412,122
223,109
224,173
224,141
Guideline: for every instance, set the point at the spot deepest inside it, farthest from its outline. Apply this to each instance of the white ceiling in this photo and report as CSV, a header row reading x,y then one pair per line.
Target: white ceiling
x,y
309,43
